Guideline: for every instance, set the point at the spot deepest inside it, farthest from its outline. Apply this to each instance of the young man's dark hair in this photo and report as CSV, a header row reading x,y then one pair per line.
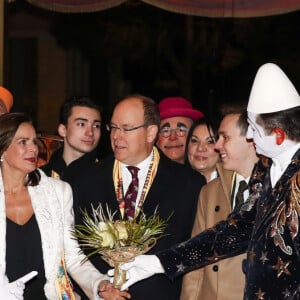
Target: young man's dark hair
x,y
66,107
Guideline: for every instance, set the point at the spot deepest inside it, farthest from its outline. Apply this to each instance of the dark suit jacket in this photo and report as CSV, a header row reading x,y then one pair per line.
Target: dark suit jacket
x,y
75,168
175,189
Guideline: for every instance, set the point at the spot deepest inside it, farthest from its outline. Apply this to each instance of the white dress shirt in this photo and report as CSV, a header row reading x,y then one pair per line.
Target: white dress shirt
x,y
281,162
142,174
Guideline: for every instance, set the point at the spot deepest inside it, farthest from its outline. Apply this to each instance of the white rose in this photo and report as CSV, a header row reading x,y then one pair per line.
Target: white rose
x,y
121,230
107,239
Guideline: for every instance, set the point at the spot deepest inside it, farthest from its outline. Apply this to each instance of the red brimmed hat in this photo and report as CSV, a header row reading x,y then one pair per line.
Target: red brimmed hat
x,y
178,107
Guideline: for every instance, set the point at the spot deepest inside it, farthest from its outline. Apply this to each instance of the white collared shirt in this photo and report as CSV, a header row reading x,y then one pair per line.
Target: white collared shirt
x,y
142,174
281,162
213,175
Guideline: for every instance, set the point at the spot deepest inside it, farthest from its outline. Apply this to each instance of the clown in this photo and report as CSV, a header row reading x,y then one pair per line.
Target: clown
x,y
266,226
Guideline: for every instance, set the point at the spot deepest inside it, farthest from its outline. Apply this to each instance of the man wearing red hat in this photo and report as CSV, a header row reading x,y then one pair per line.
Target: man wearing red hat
x,y
6,100
177,115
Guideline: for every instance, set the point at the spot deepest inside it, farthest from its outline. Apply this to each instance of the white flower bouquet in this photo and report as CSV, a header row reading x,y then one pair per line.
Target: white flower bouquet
x,y
118,241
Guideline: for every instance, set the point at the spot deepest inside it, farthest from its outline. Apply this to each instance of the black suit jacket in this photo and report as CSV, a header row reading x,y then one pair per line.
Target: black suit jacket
x,y
175,189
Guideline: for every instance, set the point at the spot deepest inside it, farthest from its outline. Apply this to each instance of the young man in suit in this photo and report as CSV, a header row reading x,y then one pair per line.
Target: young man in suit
x,y
163,184
223,280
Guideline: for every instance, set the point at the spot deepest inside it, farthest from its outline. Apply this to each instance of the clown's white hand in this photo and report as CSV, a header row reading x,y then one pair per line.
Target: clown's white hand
x,y
142,267
14,290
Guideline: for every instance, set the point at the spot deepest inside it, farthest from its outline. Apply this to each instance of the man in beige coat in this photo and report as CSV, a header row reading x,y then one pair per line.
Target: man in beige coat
x,y
223,280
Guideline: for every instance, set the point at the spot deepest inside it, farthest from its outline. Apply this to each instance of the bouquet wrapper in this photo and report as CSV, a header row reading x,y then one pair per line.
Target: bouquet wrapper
x,y
118,256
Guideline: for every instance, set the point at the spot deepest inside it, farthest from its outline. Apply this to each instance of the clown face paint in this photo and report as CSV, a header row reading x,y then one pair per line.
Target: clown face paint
x,y
265,144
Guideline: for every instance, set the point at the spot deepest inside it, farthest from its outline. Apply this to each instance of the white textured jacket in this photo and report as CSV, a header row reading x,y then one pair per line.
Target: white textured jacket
x,y
52,203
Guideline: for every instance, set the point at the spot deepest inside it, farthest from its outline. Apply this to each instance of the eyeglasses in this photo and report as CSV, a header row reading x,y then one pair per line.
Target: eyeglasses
x,y
111,128
179,131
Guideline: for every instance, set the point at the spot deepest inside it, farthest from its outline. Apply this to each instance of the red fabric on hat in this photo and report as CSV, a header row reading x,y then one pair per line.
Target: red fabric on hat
x,y
178,107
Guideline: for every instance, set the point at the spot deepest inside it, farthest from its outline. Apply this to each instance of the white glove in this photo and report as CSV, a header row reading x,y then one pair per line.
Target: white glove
x,y
14,290
142,267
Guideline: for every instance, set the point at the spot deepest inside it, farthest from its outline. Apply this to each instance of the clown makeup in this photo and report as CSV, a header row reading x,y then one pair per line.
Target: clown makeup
x,y
253,128
265,144
172,137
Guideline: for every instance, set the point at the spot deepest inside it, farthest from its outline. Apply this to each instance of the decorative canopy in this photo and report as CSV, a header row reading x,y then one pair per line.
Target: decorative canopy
x,y
205,8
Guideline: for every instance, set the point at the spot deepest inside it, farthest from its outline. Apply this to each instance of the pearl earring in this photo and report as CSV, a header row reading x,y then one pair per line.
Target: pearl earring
x,y
1,159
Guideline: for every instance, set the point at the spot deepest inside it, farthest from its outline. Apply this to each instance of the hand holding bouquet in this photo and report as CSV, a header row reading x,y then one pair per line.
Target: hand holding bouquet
x,y
119,241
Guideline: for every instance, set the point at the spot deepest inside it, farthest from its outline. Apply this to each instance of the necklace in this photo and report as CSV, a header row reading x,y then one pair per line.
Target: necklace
x,y
118,182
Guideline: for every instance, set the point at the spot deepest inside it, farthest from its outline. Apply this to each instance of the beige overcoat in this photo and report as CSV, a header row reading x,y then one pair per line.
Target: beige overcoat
x,y
223,280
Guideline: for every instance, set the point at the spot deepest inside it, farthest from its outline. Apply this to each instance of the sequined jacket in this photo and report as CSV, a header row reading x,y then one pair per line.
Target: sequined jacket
x,y
266,226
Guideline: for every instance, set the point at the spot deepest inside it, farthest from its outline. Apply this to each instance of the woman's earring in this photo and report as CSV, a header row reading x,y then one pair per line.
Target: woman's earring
x,y
1,159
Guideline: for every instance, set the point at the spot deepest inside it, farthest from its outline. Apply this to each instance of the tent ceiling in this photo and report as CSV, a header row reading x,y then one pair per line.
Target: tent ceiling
x,y
206,8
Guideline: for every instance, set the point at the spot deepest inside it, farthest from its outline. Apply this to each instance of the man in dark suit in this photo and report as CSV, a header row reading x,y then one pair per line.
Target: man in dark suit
x,y
162,183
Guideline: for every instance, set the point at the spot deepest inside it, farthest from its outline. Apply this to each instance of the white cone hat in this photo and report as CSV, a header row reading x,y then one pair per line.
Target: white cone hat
x,y
272,91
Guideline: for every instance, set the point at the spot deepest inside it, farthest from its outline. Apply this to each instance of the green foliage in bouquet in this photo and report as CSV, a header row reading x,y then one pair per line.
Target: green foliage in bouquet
x,y
104,234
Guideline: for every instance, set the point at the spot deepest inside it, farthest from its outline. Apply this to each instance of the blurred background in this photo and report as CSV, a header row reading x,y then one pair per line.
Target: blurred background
x,y
135,47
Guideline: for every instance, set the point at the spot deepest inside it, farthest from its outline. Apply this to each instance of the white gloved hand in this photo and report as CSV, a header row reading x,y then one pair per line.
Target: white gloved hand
x,y
14,290
142,267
